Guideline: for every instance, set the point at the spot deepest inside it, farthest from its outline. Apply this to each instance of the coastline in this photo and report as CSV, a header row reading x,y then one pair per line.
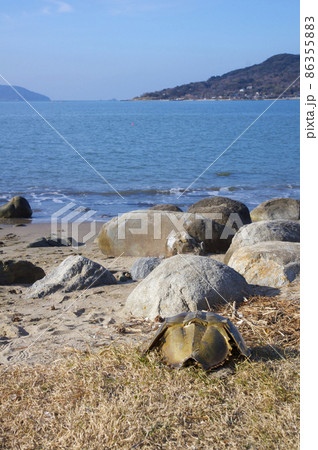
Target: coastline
x,y
209,99
105,205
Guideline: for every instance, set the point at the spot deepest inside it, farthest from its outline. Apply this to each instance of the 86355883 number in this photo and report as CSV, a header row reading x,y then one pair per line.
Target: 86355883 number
x,y
309,47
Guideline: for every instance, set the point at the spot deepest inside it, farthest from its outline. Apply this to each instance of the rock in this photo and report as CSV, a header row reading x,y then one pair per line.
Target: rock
x,y
186,283
74,273
13,272
17,207
145,233
181,243
143,266
271,263
202,228
277,208
266,230
165,207
223,210
54,242
48,242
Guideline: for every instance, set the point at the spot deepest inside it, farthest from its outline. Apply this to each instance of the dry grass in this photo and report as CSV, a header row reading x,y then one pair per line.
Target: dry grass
x,y
266,321
121,399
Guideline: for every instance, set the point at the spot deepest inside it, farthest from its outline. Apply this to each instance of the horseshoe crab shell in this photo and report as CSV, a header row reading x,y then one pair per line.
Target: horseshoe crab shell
x,y
197,337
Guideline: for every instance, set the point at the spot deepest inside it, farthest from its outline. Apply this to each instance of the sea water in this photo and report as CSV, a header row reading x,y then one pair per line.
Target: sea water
x,y
109,157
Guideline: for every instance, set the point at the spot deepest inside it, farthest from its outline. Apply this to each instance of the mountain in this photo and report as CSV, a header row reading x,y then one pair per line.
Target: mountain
x,y
7,94
260,81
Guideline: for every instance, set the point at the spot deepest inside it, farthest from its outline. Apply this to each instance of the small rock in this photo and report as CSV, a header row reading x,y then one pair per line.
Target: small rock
x,y
52,242
74,273
79,312
12,272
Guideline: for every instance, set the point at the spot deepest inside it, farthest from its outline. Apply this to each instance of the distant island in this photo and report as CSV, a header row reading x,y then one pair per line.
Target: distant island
x,y
261,81
7,94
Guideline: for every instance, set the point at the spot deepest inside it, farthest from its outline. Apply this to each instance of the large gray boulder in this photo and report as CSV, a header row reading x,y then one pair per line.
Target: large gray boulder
x,y
143,266
223,210
74,273
145,233
14,272
277,208
17,207
273,264
186,283
266,230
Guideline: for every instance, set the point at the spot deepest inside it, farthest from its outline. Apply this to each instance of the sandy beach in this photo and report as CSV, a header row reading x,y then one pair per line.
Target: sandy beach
x,y
38,329
41,330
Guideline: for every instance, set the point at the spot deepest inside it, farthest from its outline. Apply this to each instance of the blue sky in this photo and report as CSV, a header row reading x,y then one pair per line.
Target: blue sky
x,y
102,49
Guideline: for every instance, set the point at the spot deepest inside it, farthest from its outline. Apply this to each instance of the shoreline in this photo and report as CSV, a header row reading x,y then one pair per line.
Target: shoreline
x,y
153,100
102,213
208,99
